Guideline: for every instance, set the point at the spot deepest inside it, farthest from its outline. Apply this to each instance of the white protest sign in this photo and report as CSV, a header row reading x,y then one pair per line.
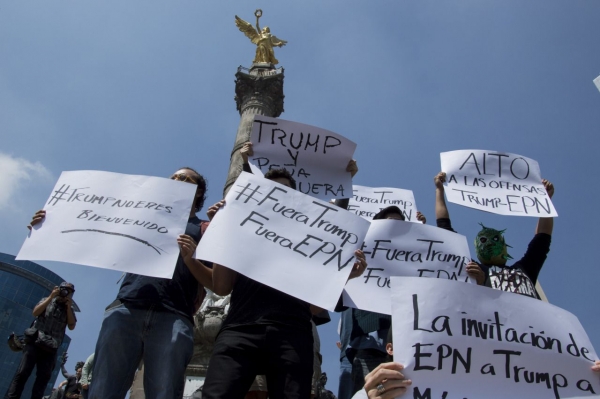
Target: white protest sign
x,y
597,82
113,221
366,202
496,182
284,239
316,158
397,248
465,341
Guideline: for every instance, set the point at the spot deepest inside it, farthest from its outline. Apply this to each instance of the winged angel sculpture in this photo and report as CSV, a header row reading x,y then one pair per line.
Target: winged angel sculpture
x,y
262,38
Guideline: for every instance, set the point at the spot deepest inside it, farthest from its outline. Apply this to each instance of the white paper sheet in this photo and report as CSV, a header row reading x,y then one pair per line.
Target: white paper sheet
x,y
113,221
317,158
368,201
465,341
496,182
397,248
287,240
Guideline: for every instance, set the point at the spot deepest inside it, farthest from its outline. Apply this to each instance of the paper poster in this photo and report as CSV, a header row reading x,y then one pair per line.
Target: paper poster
x,y
496,182
113,221
316,158
285,239
466,341
397,248
366,202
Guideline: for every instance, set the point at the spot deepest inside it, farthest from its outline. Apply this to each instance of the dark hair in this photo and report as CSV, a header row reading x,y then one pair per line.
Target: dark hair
x,y
382,214
281,173
202,186
79,365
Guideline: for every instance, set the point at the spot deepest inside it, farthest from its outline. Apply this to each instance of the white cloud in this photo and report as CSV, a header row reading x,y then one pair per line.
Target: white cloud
x,y
16,172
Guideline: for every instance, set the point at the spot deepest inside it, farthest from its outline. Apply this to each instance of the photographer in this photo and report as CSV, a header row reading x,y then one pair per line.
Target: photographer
x,y
53,314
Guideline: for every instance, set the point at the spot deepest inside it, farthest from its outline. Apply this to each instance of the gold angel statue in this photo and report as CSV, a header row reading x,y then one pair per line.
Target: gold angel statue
x,y
263,39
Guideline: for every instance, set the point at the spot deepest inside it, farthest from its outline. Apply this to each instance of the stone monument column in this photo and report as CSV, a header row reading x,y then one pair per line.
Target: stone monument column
x,y
258,91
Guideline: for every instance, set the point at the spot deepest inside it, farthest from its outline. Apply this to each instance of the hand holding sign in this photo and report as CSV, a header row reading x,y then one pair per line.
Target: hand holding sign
x,y
386,381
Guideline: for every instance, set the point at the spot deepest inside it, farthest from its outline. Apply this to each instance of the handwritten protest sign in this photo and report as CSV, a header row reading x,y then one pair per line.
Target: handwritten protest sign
x,y
502,183
285,239
316,158
113,221
397,248
367,201
465,341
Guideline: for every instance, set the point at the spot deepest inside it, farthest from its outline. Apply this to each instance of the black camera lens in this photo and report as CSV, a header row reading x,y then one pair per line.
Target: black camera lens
x,y
64,292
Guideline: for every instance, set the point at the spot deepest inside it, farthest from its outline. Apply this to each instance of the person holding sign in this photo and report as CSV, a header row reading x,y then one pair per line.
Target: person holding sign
x,y
266,332
151,319
492,251
367,347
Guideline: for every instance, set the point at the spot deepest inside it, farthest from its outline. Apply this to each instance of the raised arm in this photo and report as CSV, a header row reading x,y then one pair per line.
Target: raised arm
x,y
64,371
546,225
245,152
202,273
43,304
441,210
85,372
223,279
71,319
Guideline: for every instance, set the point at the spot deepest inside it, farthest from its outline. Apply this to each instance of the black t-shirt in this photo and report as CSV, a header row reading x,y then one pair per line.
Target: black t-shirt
x,y
256,303
177,294
521,277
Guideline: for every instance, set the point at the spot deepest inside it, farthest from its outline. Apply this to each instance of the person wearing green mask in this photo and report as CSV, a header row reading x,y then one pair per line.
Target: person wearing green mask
x,y
492,250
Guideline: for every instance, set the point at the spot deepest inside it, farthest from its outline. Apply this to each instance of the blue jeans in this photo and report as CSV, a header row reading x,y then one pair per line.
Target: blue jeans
x,y
162,339
346,384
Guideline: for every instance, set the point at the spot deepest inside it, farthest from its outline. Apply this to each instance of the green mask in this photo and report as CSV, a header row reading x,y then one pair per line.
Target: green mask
x,y
490,247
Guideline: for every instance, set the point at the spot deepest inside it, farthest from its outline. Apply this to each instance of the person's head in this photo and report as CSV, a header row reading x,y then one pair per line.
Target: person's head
x,y
266,29
78,372
281,176
189,175
490,247
391,212
65,291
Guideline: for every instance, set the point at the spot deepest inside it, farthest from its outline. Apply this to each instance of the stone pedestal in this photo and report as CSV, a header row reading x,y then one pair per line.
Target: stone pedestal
x,y
258,91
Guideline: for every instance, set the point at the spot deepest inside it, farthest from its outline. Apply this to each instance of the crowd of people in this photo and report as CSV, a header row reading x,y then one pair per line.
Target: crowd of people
x,y
266,332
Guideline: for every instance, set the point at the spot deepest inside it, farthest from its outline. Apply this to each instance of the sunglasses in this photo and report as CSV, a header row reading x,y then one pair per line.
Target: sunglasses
x,y
183,177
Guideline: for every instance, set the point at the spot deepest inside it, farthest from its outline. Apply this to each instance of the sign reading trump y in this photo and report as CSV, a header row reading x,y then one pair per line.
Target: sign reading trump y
x,y
316,158
460,341
113,221
502,183
397,248
284,239
368,201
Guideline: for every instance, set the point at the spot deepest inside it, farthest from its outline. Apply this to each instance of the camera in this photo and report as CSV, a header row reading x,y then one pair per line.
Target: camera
x,y
66,290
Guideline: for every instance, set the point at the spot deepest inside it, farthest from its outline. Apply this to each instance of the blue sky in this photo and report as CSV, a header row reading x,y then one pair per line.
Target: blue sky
x,y
144,87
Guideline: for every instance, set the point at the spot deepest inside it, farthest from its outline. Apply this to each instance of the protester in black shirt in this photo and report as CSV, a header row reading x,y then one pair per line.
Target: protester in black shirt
x,y
492,252
266,332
